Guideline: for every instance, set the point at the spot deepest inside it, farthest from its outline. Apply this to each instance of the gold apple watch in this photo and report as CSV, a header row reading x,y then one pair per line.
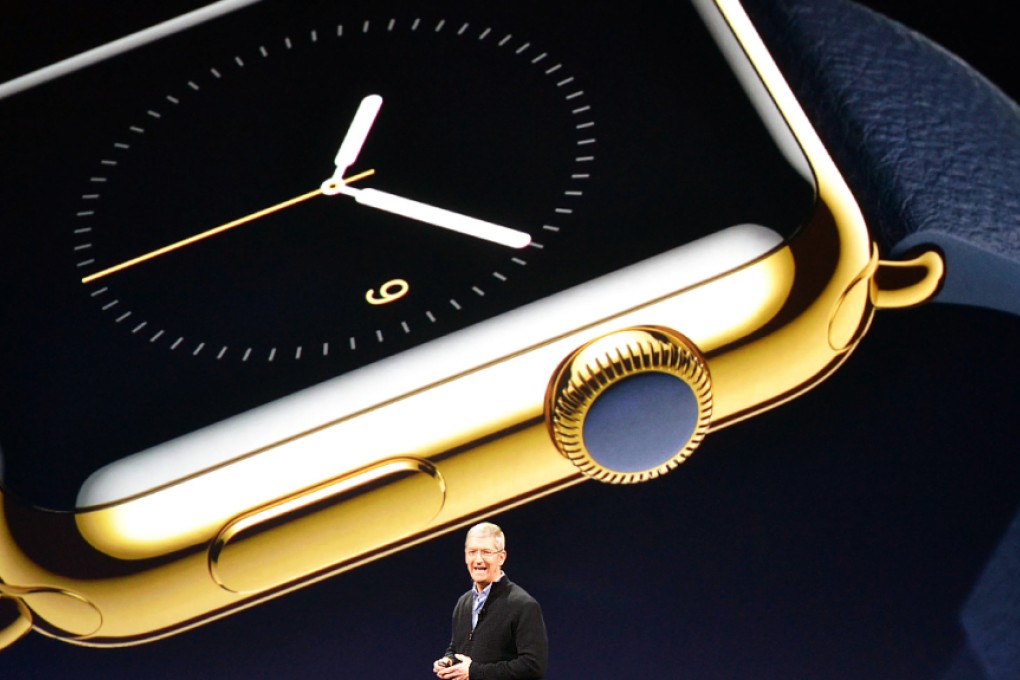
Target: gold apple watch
x,y
300,286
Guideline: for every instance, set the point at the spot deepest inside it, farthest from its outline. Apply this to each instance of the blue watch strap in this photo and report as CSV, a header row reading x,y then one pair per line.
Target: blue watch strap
x,y
930,148
991,615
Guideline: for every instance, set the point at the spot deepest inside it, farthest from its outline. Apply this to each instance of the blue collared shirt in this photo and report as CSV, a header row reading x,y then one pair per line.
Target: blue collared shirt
x,y
480,598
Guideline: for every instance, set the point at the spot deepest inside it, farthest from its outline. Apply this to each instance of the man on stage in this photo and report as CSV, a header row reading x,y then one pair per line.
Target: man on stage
x,y
498,630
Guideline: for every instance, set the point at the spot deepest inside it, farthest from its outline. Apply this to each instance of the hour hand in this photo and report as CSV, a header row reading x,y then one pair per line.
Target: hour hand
x,y
356,135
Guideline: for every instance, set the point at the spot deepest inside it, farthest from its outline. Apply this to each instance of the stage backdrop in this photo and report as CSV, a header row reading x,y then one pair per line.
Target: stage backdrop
x,y
835,537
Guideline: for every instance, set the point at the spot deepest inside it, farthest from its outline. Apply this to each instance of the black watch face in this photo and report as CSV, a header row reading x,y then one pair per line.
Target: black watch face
x,y
279,196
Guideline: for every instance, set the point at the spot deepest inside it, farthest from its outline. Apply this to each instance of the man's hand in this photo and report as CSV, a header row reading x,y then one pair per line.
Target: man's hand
x,y
440,664
448,670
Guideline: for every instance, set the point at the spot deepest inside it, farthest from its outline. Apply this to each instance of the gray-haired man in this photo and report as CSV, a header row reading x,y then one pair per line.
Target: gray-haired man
x,y
498,630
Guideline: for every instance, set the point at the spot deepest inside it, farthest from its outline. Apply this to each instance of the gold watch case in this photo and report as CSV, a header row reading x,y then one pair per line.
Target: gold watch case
x,y
765,333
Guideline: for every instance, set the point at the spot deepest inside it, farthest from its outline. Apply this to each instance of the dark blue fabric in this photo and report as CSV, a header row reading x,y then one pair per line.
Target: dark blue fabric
x,y
991,616
930,148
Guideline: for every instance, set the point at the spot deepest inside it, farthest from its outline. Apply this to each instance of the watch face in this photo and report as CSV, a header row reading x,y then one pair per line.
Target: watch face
x,y
489,139
279,196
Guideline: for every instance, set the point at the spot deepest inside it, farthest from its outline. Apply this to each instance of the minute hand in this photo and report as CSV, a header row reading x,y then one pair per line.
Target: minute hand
x,y
439,217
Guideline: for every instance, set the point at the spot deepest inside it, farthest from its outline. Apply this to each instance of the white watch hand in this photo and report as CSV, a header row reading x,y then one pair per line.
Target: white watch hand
x,y
350,147
357,133
439,217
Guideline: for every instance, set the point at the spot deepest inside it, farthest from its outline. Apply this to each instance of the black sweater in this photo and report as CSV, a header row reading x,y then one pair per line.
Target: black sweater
x,y
509,642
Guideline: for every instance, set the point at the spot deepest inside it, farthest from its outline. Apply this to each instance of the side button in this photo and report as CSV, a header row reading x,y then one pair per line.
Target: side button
x,y
326,525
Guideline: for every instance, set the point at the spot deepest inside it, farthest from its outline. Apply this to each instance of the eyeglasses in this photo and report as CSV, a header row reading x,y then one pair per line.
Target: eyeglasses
x,y
486,554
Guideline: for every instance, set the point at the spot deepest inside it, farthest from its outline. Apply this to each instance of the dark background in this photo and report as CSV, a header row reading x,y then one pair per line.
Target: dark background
x,y
835,537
